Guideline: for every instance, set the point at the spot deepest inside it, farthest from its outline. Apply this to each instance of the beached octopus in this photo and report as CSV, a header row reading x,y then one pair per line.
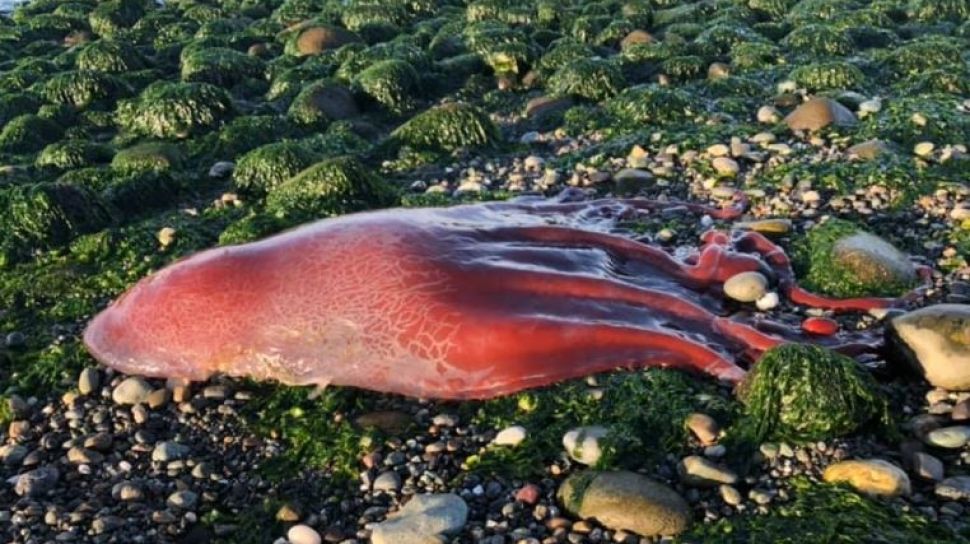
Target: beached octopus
x,y
471,301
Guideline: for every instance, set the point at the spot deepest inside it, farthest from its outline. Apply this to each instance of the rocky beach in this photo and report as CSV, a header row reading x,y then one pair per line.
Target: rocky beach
x,y
135,134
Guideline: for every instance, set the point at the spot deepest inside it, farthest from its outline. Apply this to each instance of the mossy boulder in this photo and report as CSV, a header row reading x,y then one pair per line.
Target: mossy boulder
x,y
909,120
73,154
109,56
803,392
593,79
16,103
332,187
652,105
175,110
818,39
266,167
81,88
321,102
28,133
447,128
133,193
252,227
115,16
834,75
392,83
840,259
219,66
45,215
149,156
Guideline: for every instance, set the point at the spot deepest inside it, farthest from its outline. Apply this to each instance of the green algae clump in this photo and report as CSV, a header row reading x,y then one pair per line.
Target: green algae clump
x,y
802,392
447,128
73,154
593,79
28,133
332,187
147,157
175,110
266,167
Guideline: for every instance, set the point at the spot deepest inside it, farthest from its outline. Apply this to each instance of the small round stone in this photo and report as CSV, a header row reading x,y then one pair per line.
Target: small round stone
x,y
725,166
510,436
303,534
746,286
768,301
132,390
89,381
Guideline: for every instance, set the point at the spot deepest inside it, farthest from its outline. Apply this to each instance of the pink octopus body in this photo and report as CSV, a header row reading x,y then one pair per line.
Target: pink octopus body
x,y
464,302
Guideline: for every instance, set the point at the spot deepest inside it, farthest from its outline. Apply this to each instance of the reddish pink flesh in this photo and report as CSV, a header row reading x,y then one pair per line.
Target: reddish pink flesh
x,y
465,302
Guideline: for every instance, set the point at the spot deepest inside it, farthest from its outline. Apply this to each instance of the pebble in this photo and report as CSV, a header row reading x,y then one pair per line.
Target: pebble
x,y
89,381
12,454
166,236
169,451
185,500
746,286
768,115
730,495
303,534
924,149
583,444
768,301
821,326
696,471
79,456
870,476
949,437
15,340
510,436
961,411
222,169
528,494
704,427
928,467
725,166
36,482
132,390
423,519
956,488
389,481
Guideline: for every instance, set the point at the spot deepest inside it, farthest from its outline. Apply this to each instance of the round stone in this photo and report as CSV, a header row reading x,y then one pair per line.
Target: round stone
x,y
703,426
936,341
725,166
949,437
185,500
388,481
132,390
303,534
767,302
584,444
89,381
696,471
746,286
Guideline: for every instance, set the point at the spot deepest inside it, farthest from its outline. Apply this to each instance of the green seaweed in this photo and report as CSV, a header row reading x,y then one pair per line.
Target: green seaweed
x,y
446,128
175,110
802,393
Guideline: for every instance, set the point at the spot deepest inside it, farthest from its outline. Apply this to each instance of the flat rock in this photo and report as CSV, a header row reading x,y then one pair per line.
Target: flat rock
x,y
625,501
544,106
89,381
424,519
873,261
35,482
928,467
819,113
870,476
869,150
936,341
169,451
952,438
510,436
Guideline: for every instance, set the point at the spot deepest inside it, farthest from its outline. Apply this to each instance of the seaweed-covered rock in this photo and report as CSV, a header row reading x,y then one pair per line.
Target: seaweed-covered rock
x,y
134,193
219,66
829,75
148,156
82,88
175,110
446,128
316,38
333,187
252,227
322,102
109,56
840,259
245,133
28,133
652,104
114,16
818,40
505,49
16,103
266,167
594,79
46,215
803,392
73,154
909,120
939,10
391,83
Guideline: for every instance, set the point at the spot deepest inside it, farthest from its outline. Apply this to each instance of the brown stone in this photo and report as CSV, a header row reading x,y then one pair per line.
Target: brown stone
x,y
869,150
314,40
819,113
543,106
636,37
333,100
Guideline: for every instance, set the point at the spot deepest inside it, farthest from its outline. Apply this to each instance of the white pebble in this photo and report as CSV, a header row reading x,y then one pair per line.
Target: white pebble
x,y
510,436
303,534
767,302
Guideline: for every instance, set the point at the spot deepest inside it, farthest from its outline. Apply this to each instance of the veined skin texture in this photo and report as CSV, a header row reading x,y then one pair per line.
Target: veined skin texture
x,y
471,301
